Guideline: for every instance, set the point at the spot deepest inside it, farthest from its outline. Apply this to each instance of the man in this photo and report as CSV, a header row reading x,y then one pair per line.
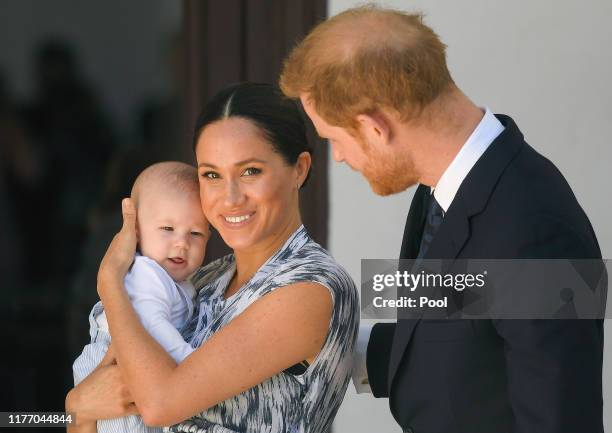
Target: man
x,y
375,84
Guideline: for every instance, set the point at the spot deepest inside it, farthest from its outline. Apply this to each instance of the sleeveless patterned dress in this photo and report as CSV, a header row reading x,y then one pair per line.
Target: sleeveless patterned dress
x,y
284,403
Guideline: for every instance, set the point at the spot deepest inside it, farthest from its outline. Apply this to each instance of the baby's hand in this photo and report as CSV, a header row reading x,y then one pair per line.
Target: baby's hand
x,y
120,253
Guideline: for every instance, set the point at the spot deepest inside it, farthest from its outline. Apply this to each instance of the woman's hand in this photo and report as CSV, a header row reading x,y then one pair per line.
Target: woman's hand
x,y
120,253
101,395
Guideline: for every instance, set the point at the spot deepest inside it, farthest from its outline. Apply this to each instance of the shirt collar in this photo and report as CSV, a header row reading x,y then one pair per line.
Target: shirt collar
x,y
481,138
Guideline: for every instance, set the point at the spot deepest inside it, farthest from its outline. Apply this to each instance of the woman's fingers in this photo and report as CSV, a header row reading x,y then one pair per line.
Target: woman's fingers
x,y
125,240
120,253
129,219
101,395
109,357
131,409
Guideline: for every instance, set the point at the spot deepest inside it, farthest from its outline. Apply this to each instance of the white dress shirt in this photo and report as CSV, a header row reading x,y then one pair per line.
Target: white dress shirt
x,y
481,138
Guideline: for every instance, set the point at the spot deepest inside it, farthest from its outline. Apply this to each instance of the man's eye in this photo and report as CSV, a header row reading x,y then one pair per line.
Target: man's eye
x,y
211,175
251,171
167,228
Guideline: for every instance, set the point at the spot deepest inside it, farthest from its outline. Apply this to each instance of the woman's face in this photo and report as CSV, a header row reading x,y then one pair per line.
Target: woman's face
x,y
248,192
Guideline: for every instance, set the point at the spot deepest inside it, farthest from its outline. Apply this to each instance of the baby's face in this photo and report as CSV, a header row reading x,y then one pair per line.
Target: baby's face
x,y
173,231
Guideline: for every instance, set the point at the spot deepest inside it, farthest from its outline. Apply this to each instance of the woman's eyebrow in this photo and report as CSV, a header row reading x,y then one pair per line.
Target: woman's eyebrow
x,y
237,164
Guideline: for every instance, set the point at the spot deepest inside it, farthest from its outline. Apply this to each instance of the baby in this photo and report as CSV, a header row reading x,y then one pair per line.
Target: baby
x,y
172,234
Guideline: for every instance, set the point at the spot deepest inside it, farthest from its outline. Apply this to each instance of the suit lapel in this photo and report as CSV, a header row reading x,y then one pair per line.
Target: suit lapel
x,y
454,232
413,231
414,224
448,241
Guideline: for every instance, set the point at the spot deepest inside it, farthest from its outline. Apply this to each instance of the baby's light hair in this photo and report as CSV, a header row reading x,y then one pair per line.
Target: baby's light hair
x,y
169,175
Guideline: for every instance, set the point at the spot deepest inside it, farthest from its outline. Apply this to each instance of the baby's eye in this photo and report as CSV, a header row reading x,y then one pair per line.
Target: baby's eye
x,y
251,171
211,175
167,228
197,234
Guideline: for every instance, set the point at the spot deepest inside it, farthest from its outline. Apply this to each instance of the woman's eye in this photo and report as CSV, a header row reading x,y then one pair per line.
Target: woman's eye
x,y
211,175
167,228
251,171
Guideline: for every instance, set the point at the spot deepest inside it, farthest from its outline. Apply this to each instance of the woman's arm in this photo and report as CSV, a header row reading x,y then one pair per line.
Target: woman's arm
x,y
103,394
104,388
277,331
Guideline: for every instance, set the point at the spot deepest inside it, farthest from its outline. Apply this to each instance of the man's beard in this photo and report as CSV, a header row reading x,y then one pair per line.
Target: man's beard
x,y
388,174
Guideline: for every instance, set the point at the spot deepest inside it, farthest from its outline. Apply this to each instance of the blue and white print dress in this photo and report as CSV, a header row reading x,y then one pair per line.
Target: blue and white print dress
x,y
284,403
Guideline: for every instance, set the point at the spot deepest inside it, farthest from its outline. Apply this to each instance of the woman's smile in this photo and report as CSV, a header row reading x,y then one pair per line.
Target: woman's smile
x,y
238,220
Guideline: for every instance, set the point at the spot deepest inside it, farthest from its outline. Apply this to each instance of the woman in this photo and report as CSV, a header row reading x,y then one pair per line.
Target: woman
x,y
276,320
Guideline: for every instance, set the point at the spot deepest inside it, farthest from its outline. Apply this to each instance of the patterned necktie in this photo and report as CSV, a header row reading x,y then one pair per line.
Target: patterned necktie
x,y
435,216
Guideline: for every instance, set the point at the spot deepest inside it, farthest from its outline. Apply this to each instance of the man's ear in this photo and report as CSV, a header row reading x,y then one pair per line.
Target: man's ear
x,y
376,127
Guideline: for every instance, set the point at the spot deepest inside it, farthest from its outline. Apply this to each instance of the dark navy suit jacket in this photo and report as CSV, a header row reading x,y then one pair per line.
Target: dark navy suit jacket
x,y
496,376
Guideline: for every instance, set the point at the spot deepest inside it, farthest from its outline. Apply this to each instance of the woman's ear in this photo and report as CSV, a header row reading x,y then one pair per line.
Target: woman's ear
x,y
302,167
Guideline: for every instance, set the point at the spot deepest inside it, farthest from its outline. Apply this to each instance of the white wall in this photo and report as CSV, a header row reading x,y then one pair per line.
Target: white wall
x,y
547,64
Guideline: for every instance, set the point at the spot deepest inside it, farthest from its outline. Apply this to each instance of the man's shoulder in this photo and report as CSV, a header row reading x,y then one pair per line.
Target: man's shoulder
x,y
532,203
532,185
